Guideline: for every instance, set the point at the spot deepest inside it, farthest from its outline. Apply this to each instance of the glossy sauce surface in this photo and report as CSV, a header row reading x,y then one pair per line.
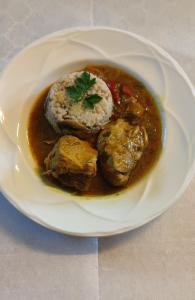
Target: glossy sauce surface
x,y
42,136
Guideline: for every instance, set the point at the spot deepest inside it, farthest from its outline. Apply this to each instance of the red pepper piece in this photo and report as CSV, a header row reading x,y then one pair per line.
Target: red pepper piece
x,y
114,90
116,96
111,84
126,90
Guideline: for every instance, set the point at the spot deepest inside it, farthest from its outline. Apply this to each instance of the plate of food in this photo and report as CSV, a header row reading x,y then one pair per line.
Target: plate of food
x,y
97,131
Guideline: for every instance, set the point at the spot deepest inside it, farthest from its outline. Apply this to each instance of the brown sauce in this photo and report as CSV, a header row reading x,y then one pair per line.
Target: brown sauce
x,y
40,131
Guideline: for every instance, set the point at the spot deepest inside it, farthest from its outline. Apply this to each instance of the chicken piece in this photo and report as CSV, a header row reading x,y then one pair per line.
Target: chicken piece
x,y
72,162
120,146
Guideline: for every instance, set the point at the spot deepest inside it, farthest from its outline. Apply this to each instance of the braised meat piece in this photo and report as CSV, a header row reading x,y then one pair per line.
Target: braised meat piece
x,y
120,146
73,162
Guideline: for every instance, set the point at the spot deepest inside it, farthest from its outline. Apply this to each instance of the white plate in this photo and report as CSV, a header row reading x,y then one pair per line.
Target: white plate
x,y
46,60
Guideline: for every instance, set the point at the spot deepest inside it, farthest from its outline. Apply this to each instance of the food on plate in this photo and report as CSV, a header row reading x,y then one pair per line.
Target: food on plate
x,y
120,147
72,161
79,102
97,131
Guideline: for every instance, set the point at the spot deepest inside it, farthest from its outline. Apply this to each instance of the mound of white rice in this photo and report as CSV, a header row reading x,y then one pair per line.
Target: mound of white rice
x,y
59,109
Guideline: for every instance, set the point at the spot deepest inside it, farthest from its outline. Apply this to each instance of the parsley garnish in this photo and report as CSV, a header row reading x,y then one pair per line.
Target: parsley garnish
x,y
91,100
78,91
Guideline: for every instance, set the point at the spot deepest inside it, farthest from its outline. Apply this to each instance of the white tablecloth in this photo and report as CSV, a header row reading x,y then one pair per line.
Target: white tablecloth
x,y
154,262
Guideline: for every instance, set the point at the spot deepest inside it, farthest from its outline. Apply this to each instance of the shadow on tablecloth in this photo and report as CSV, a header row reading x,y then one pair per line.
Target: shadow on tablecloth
x,y
107,243
32,235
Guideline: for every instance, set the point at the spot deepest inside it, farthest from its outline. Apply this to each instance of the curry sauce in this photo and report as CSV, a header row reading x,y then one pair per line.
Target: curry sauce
x,y
42,136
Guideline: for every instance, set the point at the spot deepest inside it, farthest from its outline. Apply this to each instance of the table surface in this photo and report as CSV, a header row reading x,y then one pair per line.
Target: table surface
x,y
156,262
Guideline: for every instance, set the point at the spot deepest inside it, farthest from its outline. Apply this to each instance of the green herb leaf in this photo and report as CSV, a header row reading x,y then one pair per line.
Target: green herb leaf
x,y
82,84
74,93
85,76
90,101
86,81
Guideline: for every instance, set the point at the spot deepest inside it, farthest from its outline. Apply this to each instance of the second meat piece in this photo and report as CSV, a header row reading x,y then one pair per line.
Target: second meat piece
x,y
120,146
